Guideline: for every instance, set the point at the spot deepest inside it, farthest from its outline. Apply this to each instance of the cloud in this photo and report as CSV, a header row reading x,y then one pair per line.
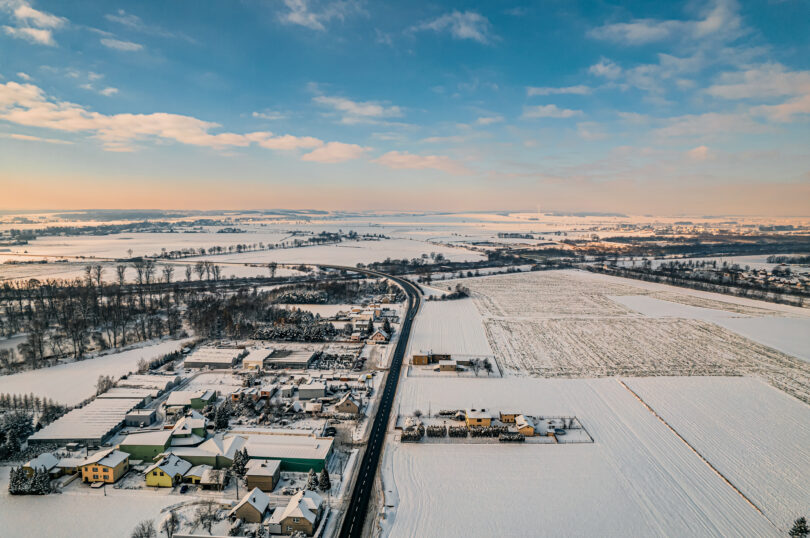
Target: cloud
x,y
761,81
27,104
408,161
34,35
269,115
700,153
590,131
136,23
466,25
33,25
335,152
605,68
108,91
786,111
301,13
117,44
24,76
709,125
358,111
549,111
719,21
29,138
532,91
488,120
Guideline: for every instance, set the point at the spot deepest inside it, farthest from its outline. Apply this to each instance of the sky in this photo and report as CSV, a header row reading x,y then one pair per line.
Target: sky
x,y
665,108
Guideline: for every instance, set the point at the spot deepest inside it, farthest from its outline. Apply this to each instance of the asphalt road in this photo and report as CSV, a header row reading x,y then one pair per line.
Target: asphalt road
x,y
355,516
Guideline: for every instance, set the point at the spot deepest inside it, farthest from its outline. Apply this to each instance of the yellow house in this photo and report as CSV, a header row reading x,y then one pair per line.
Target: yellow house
x,y
105,466
167,472
475,417
508,417
524,426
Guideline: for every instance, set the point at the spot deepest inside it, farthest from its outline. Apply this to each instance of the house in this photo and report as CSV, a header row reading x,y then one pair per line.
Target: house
x,y
263,474
203,399
508,417
475,417
194,475
245,393
105,466
524,425
301,514
44,462
448,365
379,337
167,472
287,390
267,391
313,407
193,424
147,445
356,336
252,507
348,404
313,389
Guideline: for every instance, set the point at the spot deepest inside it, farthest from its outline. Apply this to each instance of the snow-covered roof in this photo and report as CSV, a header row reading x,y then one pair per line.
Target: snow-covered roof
x,y
109,457
349,397
304,504
158,437
171,465
198,470
477,413
288,446
521,422
263,467
95,420
258,499
216,446
46,461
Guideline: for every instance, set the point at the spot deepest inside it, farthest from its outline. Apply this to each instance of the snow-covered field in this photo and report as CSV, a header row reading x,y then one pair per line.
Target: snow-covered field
x,y
636,479
758,437
74,382
575,324
449,327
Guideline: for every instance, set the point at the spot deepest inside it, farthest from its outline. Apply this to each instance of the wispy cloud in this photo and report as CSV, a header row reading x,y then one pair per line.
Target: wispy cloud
x,y
549,111
269,115
605,68
460,25
353,112
488,120
32,25
315,15
117,44
137,24
408,161
532,91
29,138
335,152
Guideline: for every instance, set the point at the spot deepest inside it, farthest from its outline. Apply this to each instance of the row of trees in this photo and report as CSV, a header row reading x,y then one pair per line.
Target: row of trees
x,y
21,483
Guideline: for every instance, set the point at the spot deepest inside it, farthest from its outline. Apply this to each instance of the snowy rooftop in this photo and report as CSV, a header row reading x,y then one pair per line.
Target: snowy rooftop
x,y
158,437
198,470
213,355
94,421
304,504
256,498
171,465
263,467
109,457
285,446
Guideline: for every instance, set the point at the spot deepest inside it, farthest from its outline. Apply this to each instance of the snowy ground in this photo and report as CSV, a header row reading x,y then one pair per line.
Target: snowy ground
x,y
636,479
74,382
575,324
449,327
758,437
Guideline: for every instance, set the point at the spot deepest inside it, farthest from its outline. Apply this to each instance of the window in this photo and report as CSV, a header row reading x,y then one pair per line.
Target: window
x,y
95,477
95,469
296,520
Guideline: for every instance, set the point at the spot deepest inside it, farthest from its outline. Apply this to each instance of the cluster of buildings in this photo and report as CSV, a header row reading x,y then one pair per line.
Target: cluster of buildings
x,y
525,424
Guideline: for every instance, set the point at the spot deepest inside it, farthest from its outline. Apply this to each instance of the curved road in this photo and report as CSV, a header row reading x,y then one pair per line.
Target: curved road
x,y
355,515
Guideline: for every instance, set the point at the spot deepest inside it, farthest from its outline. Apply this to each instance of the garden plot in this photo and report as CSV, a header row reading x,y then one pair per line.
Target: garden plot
x,y
636,479
755,436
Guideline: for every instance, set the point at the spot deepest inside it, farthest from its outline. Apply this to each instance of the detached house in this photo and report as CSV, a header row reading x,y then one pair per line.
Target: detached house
x,y
167,472
252,507
301,514
105,466
348,404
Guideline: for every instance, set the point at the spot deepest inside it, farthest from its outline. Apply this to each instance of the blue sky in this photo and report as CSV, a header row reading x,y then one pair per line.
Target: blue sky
x,y
645,107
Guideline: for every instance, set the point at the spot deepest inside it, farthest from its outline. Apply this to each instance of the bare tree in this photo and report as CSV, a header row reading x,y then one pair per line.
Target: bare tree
x,y
168,271
189,270
121,270
145,529
171,524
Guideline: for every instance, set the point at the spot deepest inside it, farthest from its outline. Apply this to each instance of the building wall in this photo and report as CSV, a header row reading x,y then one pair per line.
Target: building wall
x,y
264,483
247,513
289,526
528,431
157,478
347,407
479,421
144,452
104,473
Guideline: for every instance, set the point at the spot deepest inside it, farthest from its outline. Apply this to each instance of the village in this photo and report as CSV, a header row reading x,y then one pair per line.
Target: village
x,y
258,437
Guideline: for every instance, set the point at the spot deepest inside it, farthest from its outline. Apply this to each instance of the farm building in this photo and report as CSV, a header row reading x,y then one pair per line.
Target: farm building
x,y
252,507
167,472
147,395
140,417
263,474
158,382
147,445
214,358
301,514
105,466
255,358
476,417
285,358
313,389
448,366
91,425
